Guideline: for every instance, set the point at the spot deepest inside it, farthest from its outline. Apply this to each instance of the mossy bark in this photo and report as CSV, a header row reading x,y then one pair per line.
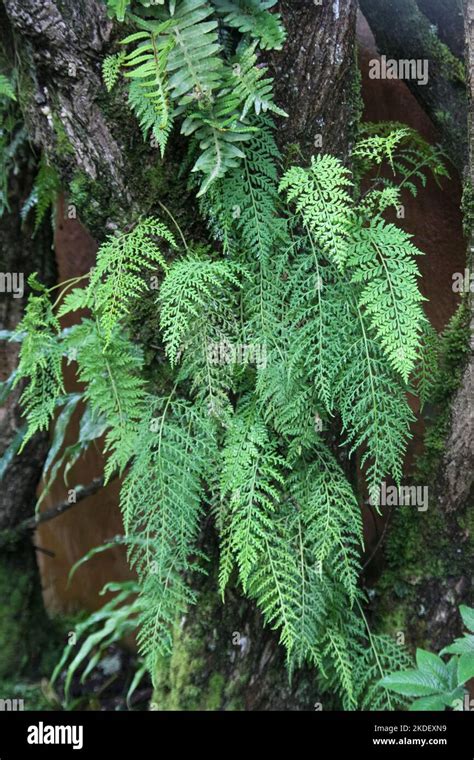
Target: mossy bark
x,y
26,634
430,559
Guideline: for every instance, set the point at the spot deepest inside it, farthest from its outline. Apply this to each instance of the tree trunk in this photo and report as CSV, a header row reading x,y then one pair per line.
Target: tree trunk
x,y
25,631
429,563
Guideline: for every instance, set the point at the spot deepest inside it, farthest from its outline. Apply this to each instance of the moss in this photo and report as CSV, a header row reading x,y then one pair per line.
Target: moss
x,y
30,643
420,548
467,207
63,144
95,203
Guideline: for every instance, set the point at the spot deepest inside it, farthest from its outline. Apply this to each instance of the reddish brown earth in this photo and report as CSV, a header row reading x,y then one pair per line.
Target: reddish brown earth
x,y
434,219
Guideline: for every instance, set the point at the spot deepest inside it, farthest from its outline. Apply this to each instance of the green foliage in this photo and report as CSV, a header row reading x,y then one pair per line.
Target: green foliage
x,y
117,279
382,258
40,363
161,502
304,274
436,684
321,195
7,89
409,157
179,67
251,482
115,389
92,637
191,292
44,193
253,17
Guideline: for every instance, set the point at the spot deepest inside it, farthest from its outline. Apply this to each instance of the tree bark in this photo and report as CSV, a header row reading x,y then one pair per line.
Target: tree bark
x,y
430,563
25,631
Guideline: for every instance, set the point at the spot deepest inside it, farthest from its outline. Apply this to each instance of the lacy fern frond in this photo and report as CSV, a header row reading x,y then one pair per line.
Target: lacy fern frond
x,y
372,402
115,389
7,89
243,210
44,192
191,292
111,67
382,655
251,481
406,152
382,258
321,197
40,364
331,517
161,503
117,280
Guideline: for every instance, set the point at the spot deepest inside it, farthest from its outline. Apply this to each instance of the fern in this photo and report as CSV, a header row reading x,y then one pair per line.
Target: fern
x,y
111,371
382,258
253,17
117,279
375,413
40,363
111,67
43,194
190,292
161,502
251,90
409,156
149,92
178,68
7,89
321,197
331,517
306,269
251,481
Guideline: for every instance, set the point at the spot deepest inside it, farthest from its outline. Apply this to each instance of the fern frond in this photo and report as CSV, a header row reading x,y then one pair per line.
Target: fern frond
x,y
331,517
382,655
321,198
114,388
161,506
254,18
252,476
40,364
250,89
7,89
382,257
117,279
111,67
44,192
190,292
406,152
373,405
195,69
149,94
